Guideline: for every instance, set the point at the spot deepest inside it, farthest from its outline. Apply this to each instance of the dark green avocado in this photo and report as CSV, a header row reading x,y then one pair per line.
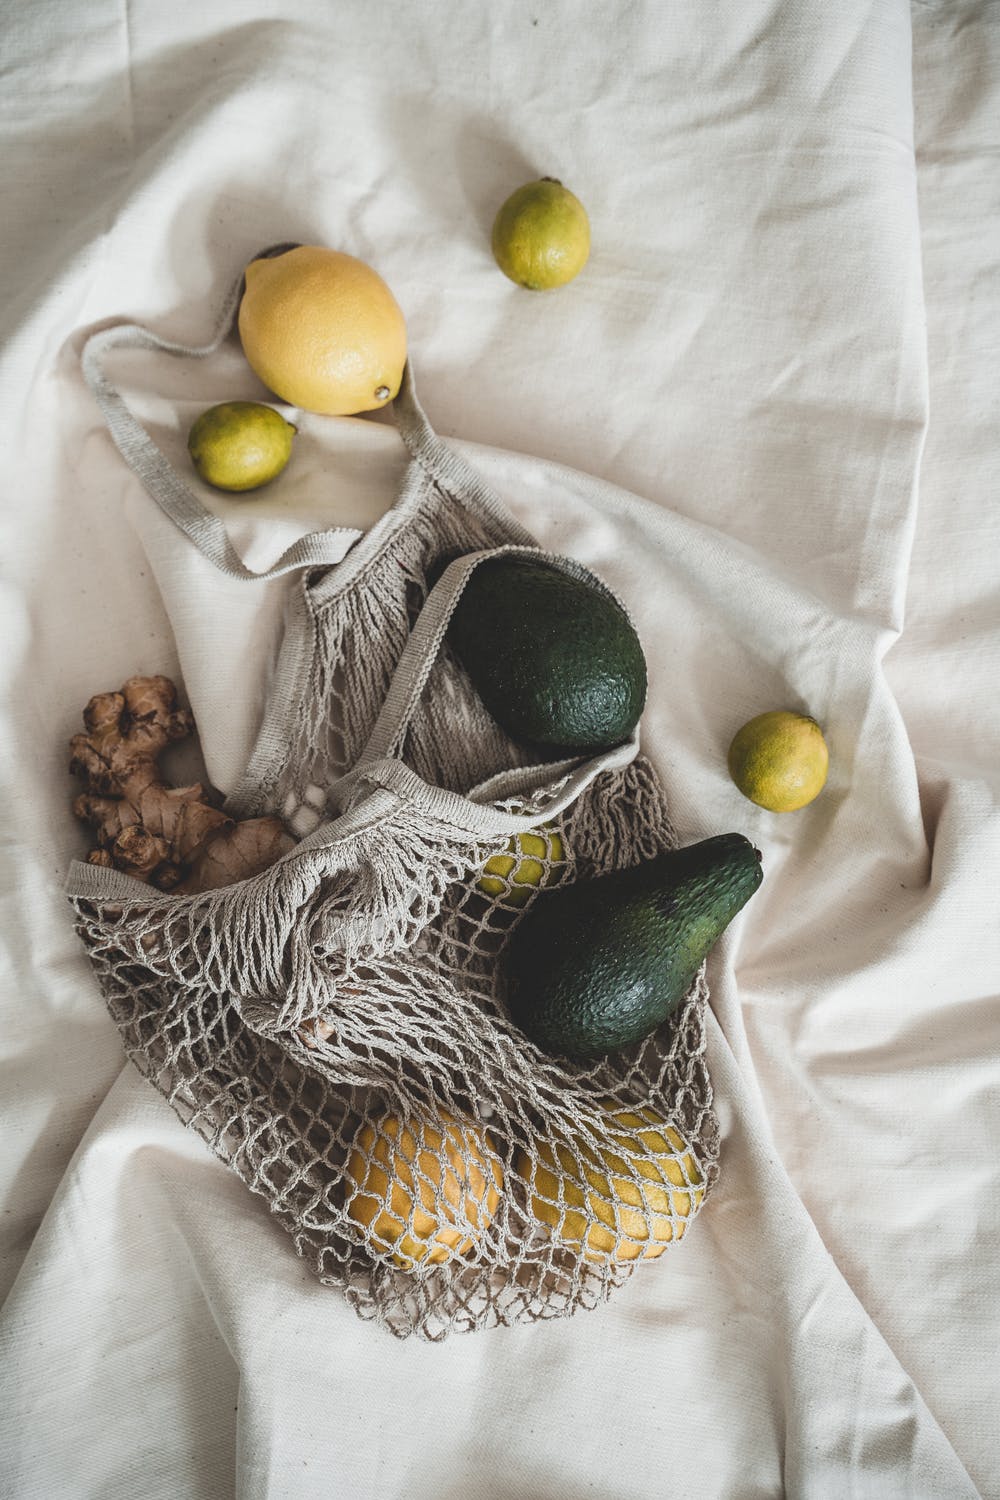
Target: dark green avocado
x,y
554,659
600,964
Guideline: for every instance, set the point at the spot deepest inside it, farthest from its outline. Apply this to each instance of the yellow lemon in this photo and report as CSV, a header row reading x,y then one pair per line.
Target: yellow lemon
x,y
323,331
512,877
599,1207
779,760
541,236
422,1190
240,445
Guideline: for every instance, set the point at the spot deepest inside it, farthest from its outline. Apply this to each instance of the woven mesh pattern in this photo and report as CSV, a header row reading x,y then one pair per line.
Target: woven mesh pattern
x,y
335,1027
359,635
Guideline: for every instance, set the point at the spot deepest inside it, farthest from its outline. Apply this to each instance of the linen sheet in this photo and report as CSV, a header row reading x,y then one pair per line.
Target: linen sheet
x,y
766,413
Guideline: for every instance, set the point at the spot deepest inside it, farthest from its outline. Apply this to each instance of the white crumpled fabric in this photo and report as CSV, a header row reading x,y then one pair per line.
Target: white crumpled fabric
x,y
785,344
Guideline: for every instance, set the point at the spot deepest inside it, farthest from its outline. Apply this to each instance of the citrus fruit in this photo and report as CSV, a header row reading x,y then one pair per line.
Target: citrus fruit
x,y
322,330
240,445
513,876
541,236
599,1207
779,760
422,1190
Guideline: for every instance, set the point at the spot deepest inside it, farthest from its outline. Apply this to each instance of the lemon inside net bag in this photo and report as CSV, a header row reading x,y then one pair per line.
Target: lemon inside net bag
x,y
335,1027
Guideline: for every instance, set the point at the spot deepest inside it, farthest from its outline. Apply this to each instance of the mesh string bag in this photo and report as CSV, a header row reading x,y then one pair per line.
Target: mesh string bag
x,y
335,1027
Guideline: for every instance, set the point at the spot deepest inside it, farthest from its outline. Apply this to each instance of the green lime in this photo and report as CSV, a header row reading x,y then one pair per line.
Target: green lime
x,y
529,863
779,760
240,445
541,236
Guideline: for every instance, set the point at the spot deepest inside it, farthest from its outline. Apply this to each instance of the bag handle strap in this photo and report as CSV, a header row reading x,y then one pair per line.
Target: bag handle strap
x,y
205,530
379,763
447,468
425,639
477,814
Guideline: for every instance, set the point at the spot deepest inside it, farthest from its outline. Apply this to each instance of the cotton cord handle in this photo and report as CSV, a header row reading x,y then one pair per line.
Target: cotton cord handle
x,y
145,459
379,764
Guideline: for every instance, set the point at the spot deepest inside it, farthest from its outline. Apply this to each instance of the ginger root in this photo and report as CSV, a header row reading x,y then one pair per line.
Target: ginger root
x,y
175,838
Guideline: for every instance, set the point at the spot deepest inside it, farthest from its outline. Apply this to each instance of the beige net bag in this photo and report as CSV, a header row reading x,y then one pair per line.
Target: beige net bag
x,y
335,1027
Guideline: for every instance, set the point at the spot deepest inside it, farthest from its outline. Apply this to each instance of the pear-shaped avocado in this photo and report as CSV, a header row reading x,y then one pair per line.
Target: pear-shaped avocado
x,y
555,659
600,964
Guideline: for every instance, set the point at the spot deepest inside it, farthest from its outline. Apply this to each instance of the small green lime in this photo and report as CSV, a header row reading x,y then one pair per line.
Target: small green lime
x,y
779,760
530,862
240,445
541,236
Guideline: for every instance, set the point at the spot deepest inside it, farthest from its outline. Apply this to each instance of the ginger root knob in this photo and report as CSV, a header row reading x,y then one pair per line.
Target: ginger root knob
x,y
175,838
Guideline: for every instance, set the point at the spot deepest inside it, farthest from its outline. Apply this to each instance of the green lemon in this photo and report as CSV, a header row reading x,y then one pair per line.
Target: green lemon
x,y
541,236
240,445
512,877
779,760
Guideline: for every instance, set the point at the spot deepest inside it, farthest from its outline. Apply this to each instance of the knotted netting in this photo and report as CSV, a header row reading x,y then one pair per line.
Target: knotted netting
x,y
335,1027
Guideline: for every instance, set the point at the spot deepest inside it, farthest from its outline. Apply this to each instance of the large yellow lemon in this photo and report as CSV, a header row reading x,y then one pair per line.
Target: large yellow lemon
x,y
323,331
567,1197
779,760
423,1190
